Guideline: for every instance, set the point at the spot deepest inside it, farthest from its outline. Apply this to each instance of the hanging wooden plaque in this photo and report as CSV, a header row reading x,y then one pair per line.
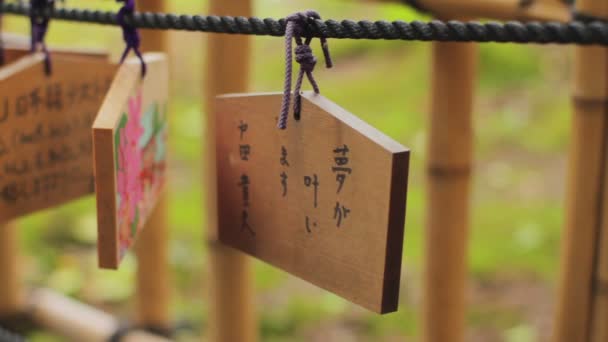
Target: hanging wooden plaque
x,y
323,199
45,130
129,139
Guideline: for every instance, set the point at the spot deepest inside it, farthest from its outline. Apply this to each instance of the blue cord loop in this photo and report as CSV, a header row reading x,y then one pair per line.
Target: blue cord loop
x,y
130,34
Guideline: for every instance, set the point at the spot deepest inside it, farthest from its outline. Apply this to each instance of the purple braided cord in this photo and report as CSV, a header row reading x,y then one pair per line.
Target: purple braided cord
x,y
296,26
130,34
39,27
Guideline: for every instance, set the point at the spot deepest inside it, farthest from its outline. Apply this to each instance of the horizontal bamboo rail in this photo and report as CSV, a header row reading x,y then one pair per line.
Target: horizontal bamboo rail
x,y
76,321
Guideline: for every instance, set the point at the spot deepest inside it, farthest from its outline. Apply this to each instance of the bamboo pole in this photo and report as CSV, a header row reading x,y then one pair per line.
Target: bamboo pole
x,y
583,197
231,302
599,295
153,276
11,294
78,322
449,163
599,327
542,10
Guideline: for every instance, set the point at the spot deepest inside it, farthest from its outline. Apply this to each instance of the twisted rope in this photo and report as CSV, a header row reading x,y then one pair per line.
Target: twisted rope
x,y
130,34
594,33
296,23
39,22
7,336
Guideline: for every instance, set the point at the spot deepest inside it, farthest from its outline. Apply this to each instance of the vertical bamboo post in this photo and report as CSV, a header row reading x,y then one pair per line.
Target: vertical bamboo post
x,y
599,326
583,197
231,301
11,295
599,286
153,276
449,166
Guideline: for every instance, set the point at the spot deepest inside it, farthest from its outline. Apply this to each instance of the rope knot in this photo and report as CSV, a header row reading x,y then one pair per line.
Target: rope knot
x,y
297,27
305,58
129,33
40,17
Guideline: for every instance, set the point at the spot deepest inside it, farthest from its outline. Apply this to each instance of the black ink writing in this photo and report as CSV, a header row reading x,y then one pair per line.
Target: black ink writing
x,y
17,167
284,164
44,185
22,105
284,183
340,212
244,185
35,136
313,181
54,99
245,223
49,158
284,161
340,169
314,224
43,155
245,151
243,128
35,99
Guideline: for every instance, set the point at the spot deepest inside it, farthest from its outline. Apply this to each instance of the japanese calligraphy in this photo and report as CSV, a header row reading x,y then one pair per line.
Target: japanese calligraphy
x,y
340,169
284,164
284,161
340,212
45,138
243,128
244,151
314,182
284,183
244,185
308,224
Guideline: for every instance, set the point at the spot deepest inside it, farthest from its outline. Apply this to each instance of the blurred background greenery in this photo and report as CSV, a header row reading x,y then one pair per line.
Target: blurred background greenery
x,y
522,130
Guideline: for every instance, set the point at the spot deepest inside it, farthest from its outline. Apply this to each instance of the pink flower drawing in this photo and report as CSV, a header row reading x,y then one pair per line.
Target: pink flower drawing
x,y
128,170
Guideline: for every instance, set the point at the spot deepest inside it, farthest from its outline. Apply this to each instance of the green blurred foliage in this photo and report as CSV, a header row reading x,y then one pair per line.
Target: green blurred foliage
x,y
522,131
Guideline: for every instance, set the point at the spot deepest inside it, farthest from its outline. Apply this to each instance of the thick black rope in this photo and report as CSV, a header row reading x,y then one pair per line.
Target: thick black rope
x,y
594,33
7,336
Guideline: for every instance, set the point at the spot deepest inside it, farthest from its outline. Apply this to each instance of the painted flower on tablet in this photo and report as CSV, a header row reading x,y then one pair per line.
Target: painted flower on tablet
x,y
140,165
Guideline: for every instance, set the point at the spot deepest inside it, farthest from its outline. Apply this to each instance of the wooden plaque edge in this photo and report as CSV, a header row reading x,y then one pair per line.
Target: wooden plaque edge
x,y
396,232
11,69
107,259
103,135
